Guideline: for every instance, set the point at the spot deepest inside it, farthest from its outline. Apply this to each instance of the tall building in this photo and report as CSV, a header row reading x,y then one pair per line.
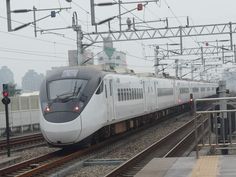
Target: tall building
x,y
110,57
31,81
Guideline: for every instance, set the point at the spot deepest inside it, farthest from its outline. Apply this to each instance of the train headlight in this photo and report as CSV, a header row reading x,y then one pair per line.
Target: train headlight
x,y
47,109
180,101
76,109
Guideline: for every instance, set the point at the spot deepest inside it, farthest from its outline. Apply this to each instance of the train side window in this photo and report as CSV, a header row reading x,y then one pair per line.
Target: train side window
x,y
133,96
125,98
121,94
130,94
110,84
118,94
100,89
106,91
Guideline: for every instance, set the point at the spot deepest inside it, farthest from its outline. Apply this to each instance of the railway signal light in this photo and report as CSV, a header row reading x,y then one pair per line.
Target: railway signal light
x,y
5,94
6,100
191,97
5,90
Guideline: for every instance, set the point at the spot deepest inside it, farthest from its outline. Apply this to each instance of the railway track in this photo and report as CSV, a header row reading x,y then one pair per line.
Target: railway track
x,y
55,160
43,164
173,145
23,142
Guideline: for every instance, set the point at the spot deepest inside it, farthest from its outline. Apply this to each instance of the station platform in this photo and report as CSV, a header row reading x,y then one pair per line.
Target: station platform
x,y
205,166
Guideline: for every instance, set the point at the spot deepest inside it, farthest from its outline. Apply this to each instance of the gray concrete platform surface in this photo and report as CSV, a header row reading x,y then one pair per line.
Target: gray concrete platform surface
x,y
205,166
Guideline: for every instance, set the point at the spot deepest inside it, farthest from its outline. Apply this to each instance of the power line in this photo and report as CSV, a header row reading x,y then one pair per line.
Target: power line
x,y
131,55
32,38
195,40
23,59
34,51
36,38
25,53
80,7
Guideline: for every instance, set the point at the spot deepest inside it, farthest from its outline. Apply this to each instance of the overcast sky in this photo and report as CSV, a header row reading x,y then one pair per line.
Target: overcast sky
x,y
21,51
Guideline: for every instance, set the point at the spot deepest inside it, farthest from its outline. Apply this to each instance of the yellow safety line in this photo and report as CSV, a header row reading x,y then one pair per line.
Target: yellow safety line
x,y
206,166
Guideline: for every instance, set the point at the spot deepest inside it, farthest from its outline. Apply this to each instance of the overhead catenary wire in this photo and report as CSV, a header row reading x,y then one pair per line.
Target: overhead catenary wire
x,y
30,60
33,38
168,6
32,54
33,51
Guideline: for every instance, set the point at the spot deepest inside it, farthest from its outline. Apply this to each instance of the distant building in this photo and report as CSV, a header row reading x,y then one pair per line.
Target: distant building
x,y
6,76
110,57
31,81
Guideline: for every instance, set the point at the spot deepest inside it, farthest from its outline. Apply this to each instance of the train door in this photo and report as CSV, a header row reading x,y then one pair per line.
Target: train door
x,y
148,95
109,89
177,92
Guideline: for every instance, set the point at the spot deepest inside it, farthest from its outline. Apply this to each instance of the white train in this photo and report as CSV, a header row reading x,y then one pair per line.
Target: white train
x,y
84,103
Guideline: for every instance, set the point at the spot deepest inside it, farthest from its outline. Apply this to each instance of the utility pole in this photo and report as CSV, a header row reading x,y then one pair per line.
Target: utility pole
x,y
6,101
234,53
223,106
77,28
8,15
203,59
180,71
176,68
156,64
223,55
192,70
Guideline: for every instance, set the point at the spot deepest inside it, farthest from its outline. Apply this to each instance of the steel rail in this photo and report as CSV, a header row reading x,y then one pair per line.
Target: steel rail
x,y
180,148
41,164
145,153
16,141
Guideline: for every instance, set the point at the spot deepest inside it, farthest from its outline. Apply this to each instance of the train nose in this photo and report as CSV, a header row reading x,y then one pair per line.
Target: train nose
x,y
64,133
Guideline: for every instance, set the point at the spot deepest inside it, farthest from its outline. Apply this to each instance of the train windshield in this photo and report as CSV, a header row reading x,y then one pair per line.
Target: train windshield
x,y
66,88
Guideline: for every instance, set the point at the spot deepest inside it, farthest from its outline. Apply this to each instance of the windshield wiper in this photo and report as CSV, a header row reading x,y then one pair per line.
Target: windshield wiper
x,y
76,91
64,95
67,96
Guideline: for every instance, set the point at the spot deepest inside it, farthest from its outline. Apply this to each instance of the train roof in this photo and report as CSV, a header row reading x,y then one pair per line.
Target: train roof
x,y
99,71
85,72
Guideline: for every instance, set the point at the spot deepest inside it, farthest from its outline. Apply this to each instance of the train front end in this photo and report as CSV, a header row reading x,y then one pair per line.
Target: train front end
x,y
63,96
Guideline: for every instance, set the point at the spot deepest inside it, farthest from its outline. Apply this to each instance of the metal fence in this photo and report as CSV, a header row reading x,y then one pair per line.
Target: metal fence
x,y
23,114
221,124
